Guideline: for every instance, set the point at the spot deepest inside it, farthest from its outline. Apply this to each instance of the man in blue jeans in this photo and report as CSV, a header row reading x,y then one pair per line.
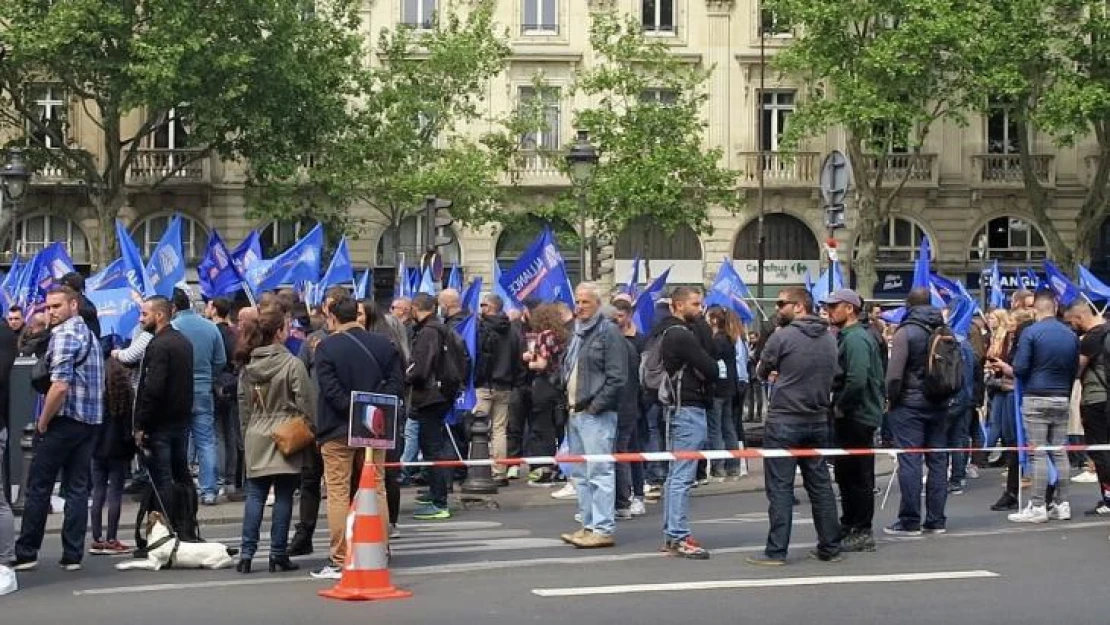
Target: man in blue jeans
x,y
209,357
693,373
800,358
595,368
917,421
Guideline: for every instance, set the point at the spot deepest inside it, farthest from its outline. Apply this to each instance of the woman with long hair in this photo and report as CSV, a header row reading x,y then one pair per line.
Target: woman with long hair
x,y
545,343
273,387
721,425
1002,424
112,453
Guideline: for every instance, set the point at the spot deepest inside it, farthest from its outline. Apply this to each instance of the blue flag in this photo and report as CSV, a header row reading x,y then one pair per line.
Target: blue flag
x,y
11,282
167,263
471,298
539,272
1095,288
997,299
248,253
455,279
634,280
643,311
961,311
1065,289
42,273
500,291
468,398
427,284
114,276
894,316
299,263
947,288
401,284
729,291
922,275
340,271
117,310
362,285
137,277
820,289
216,272
1023,455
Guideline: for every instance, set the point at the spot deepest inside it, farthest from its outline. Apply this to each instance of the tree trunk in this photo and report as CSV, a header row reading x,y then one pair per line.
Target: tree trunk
x,y
1088,224
869,218
1038,200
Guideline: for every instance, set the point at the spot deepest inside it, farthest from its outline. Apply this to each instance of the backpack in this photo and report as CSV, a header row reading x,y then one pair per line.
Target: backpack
x,y
654,376
454,366
182,515
944,364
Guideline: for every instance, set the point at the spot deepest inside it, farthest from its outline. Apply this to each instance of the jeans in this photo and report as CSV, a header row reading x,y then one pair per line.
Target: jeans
x,y
688,430
778,480
595,481
656,472
921,428
7,520
495,403
856,476
204,439
1096,431
412,443
257,489
167,463
722,433
959,435
435,446
312,471
630,482
67,448
107,488
1046,423
229,437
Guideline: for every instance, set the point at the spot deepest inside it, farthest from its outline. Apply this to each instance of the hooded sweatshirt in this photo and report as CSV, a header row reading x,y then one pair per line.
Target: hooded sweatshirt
x,y
909,355
499,365
274,386
804,355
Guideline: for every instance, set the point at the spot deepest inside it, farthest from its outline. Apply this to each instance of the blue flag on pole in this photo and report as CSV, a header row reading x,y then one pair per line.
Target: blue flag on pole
x,y
401,282
997,298
729,291
1066,290
299,263
922,275
498,290
643,311
471,298
340,271
117,310
427,283
947,288
43,272
468,398
137,277
11,282
362,285
216,272
820,289
248,253
1095,288
539,272
633,280
114,276
167,262
454,278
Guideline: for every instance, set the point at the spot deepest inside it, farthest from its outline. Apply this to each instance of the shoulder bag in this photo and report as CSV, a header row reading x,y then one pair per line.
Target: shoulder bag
x,y
292,435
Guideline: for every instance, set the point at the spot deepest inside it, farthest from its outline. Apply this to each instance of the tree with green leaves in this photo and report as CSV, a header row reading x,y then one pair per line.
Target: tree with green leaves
x,y
410,134
1048,65
885,71
648,126
258,80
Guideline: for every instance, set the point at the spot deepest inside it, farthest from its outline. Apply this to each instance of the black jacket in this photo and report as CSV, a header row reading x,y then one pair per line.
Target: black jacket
x,y
499,363
422,376
724,350
88,313
454,321
909,353
164,399
689,347
342,366
629,410
8,351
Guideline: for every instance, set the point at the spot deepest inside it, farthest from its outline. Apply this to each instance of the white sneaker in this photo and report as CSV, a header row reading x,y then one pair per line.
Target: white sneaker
x,y
1060,511
578,518
637,508
513,473
972,472
393,531
1085,477
1031,514
566,492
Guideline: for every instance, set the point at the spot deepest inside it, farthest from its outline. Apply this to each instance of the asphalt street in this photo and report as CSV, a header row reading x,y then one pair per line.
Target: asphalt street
x,y
508,567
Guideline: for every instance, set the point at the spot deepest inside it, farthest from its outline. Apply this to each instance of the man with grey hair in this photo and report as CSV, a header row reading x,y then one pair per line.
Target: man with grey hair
x,y
595,369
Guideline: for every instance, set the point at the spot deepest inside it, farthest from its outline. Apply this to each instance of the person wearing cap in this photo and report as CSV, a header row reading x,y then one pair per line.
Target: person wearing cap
x,y
858,409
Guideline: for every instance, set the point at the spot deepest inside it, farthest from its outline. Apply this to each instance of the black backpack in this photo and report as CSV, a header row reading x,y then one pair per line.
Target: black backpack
x,y
455,365
944,364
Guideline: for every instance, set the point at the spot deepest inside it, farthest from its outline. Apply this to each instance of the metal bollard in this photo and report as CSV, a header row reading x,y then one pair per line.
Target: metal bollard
x,y
479,479
26,445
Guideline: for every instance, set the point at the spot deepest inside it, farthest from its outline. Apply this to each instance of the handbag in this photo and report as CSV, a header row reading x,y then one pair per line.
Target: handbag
x,y
292,435
40,371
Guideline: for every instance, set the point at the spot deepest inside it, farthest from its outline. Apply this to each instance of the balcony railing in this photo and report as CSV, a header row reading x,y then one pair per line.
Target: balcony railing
x,y
50,174
921,169
1005,169
779,169
154,166
541,169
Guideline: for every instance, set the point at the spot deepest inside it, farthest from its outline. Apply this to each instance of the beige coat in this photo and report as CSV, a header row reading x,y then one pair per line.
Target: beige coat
x,y
286,390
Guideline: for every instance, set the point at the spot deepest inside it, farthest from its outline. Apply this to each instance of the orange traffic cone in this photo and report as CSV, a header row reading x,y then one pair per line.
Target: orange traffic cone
x,y
366,571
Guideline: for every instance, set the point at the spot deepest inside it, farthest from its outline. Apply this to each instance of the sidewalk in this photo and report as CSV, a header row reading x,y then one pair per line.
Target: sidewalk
x,y
517,496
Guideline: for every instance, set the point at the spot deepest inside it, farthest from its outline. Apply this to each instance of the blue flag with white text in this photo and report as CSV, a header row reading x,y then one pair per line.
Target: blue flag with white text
x,y
1066,290
217,274
42,273
134,268
299,263
117,310
167,263
114,276
540,272
1095,288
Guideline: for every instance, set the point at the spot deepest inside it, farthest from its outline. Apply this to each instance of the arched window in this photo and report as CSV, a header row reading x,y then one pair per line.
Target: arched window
x,y
519,234
785,237
149,231
899,241
1013,239
34,233
412,244
643,239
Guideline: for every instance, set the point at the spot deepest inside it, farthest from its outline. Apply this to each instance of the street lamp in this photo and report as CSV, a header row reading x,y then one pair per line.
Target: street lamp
x,y
581,160
14,181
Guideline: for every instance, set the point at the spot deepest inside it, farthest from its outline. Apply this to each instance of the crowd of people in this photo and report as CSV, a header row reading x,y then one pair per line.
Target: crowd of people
x,y
193,405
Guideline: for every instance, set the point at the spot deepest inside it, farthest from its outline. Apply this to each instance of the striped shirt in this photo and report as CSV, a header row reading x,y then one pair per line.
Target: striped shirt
x,y
71,343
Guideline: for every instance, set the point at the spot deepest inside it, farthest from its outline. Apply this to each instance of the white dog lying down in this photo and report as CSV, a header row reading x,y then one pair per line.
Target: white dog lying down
x,y
166,551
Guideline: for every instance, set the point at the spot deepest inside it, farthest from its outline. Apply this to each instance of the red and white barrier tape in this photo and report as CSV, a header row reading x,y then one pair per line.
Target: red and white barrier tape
x,y
730,454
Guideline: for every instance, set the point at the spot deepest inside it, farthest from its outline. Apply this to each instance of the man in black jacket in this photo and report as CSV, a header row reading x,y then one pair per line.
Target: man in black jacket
x,y
225,383
429,402
349,359
164,400
688,363
498,369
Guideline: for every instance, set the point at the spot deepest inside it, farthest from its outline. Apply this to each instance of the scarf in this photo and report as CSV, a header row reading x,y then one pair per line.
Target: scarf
x,y
582,329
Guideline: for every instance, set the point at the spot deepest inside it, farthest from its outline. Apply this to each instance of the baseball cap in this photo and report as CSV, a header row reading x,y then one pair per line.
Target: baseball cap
x,y
846,296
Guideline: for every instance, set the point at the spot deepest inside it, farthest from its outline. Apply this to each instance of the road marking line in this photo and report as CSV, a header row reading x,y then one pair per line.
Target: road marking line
x,y
760,583
126,590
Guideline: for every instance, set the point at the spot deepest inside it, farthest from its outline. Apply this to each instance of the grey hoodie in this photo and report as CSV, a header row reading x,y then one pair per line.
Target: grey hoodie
x,y
804,355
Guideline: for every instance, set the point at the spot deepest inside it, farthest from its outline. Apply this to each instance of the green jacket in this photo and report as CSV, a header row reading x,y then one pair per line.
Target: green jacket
x,y
859,396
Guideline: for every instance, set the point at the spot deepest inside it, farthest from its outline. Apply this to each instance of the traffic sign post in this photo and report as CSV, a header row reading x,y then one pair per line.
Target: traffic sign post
x,y
835,181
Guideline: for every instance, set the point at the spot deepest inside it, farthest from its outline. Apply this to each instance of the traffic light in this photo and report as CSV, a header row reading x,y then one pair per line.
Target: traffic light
x,y
604,260
835,179
437,223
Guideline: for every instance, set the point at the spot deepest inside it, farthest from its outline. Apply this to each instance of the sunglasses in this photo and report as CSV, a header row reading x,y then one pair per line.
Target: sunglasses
x,y
784,302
